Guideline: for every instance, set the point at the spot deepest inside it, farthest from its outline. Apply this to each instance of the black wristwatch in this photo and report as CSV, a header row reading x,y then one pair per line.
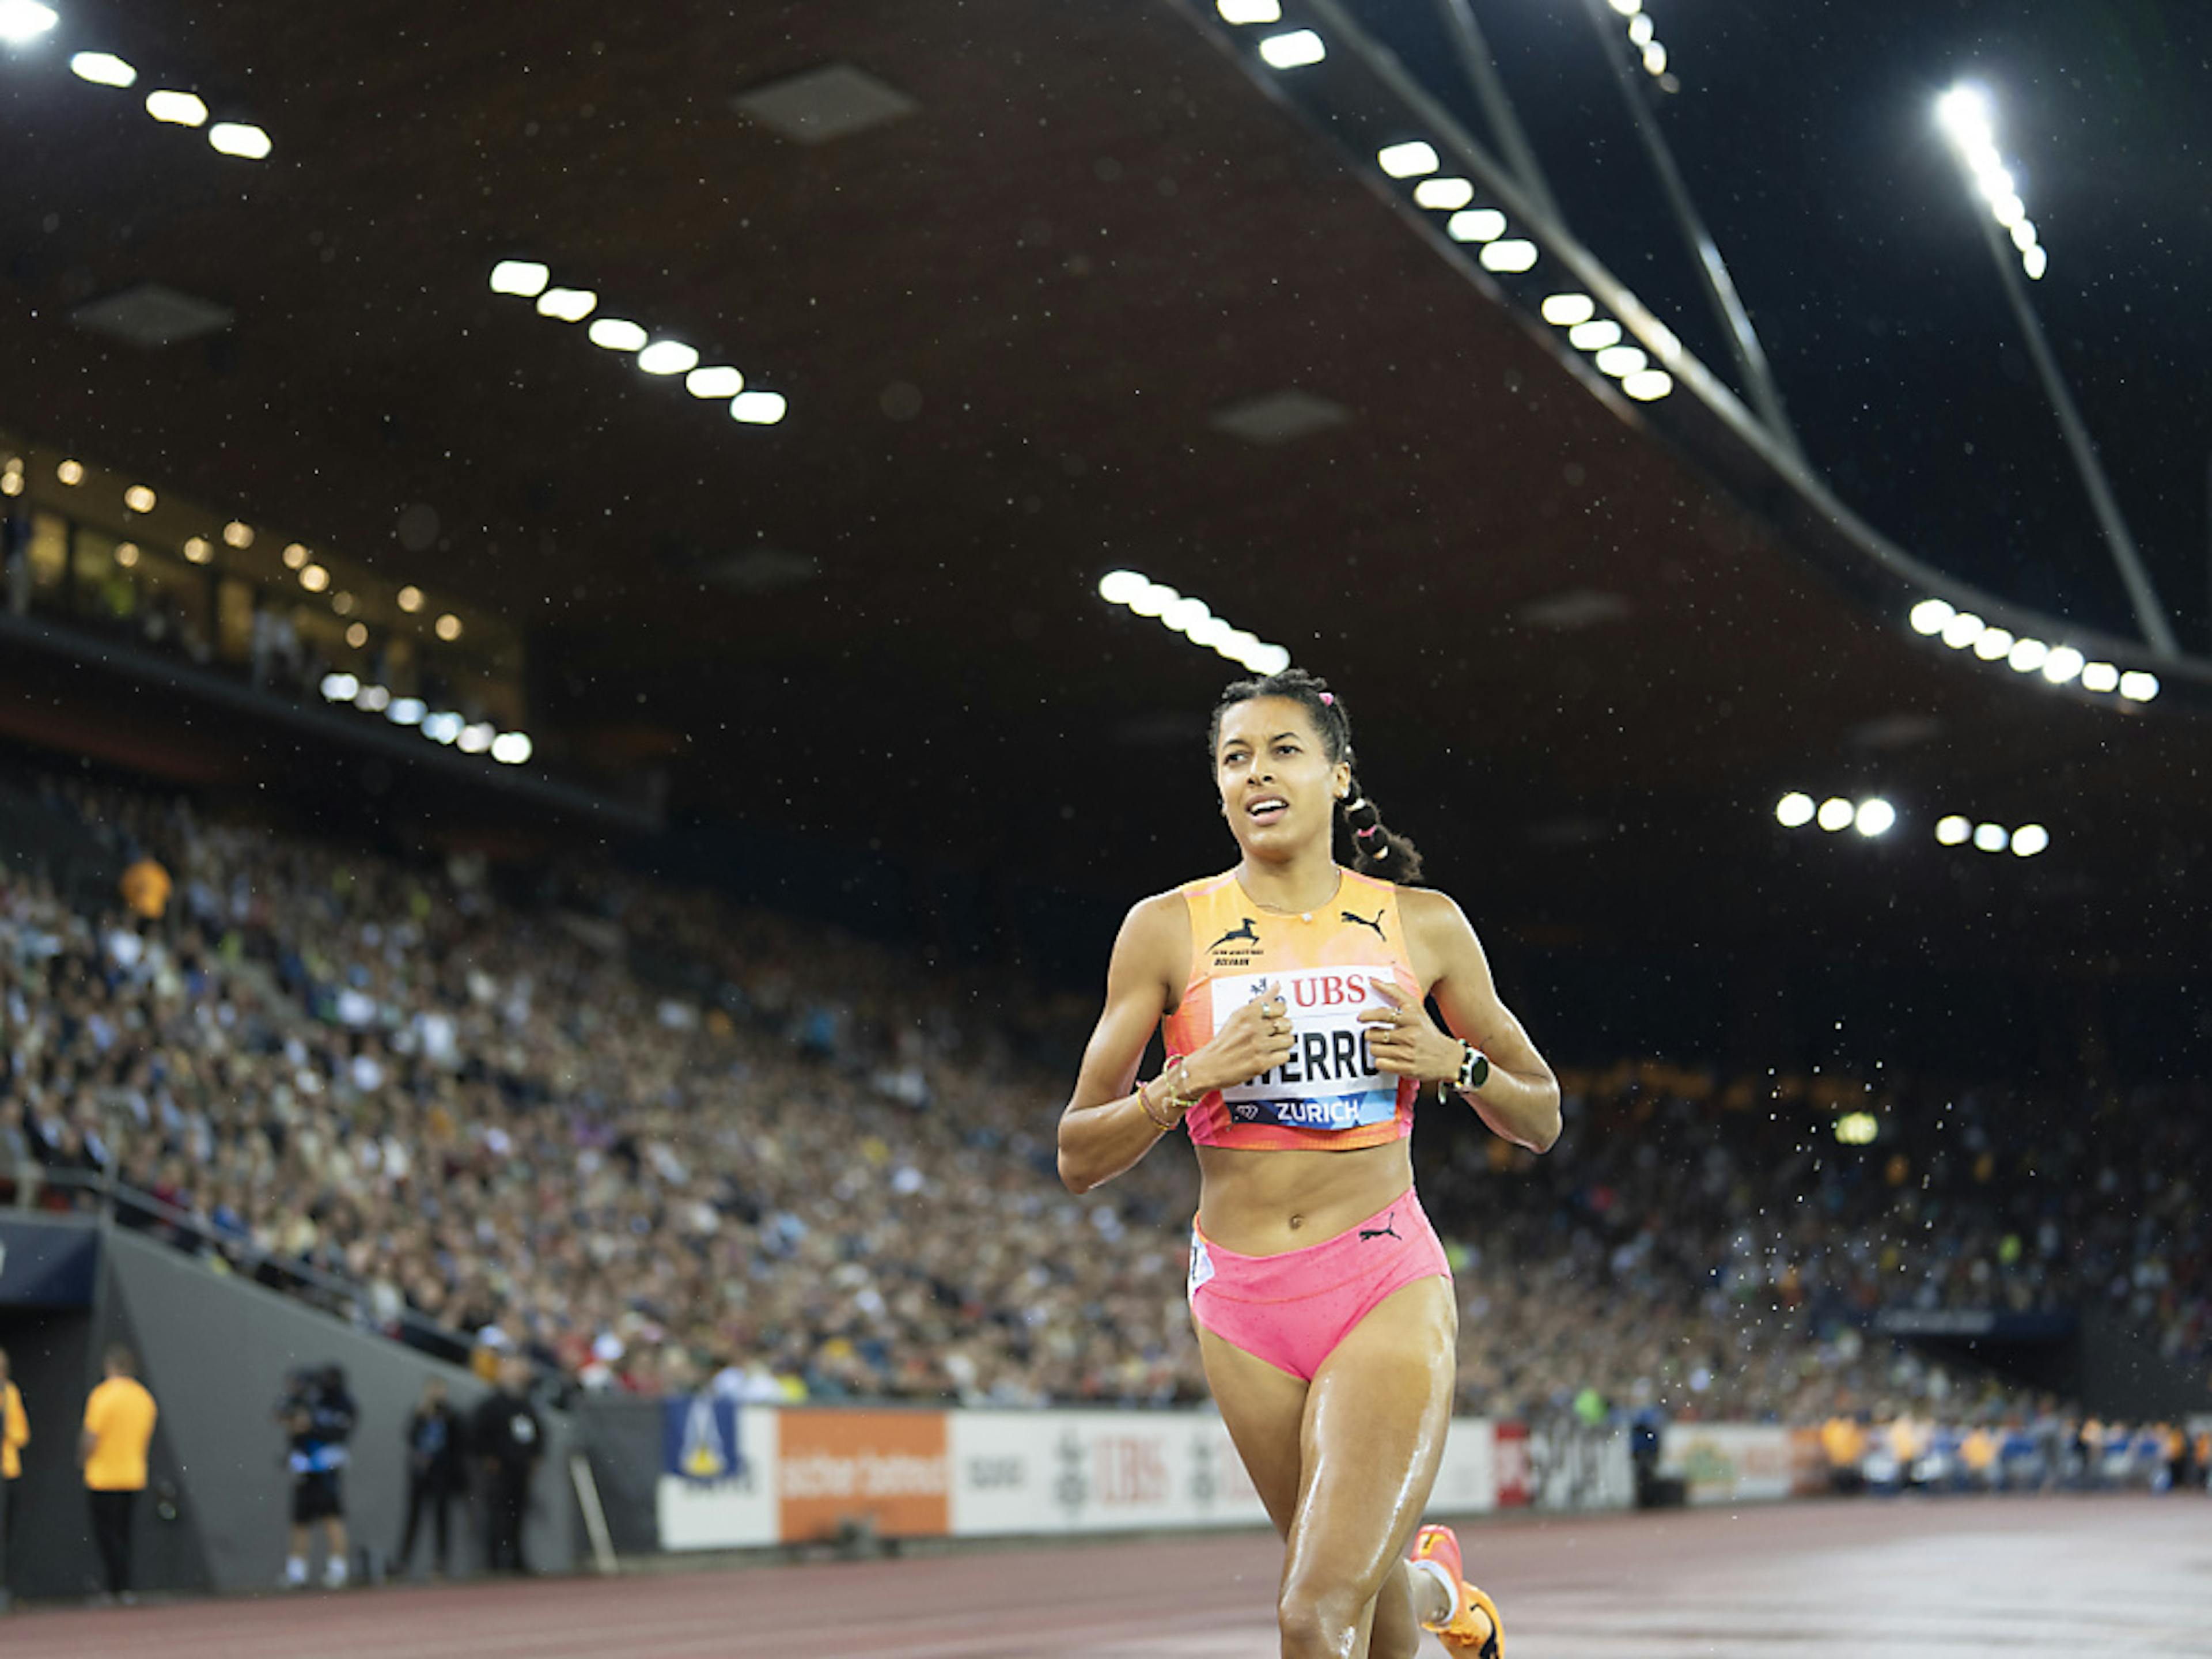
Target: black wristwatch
x,y
1473,1068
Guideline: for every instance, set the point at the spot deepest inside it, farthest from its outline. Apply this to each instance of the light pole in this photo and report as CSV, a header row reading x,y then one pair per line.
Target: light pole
x,y
1743,343
1964,114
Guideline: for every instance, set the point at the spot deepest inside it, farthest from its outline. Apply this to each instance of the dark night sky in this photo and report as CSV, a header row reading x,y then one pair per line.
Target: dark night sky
x,y
1805,132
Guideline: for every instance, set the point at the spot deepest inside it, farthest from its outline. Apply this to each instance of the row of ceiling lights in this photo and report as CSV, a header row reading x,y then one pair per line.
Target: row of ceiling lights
x,y
1500,252
526,279
1964,114
1191,618
1644,35
2061,664
1877,817
1871,816
440,726
24,21
198,550
2025,841
1576,313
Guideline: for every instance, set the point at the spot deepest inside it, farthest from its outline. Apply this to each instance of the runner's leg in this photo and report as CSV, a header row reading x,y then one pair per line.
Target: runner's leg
x,y
1373,1437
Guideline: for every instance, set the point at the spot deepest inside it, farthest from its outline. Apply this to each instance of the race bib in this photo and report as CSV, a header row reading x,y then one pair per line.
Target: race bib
x,y
1330,1080
1201,1264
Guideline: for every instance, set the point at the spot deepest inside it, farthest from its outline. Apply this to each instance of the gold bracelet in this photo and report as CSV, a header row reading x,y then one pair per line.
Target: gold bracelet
x,y
1179,1096
1145,1105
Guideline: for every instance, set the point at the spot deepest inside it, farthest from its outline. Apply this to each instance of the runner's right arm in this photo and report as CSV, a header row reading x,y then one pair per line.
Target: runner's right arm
x,y
1105,1129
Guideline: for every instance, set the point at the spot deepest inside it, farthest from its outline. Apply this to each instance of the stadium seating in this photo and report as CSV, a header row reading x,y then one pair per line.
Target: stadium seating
x,y
652,1139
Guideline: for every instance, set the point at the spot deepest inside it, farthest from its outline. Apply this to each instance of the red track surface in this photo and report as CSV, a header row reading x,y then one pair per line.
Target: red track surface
x,y
2078,1576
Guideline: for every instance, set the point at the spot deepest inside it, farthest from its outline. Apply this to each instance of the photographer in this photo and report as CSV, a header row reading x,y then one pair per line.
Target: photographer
x,y
319,1414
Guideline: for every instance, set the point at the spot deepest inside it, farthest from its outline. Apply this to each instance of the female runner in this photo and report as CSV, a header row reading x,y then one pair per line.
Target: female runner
x,y
1290,994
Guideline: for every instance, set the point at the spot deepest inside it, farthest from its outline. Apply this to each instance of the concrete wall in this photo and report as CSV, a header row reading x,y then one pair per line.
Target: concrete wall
x,y
216,1350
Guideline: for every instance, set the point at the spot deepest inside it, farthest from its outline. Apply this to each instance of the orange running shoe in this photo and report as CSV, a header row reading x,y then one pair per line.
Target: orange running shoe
x,y
1475,1631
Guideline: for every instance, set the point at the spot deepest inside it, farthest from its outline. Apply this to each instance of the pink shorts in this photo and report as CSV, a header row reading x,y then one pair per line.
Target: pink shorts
x,y
1292,1310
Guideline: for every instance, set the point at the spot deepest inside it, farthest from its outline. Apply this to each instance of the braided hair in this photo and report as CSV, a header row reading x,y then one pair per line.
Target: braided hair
x,y
1376,850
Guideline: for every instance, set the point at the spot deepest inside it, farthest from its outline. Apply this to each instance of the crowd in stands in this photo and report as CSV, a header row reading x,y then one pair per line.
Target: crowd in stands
x,y
653,1142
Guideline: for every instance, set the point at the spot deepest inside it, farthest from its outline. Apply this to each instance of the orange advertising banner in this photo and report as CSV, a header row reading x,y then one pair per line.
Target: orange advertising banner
x,y
890,1470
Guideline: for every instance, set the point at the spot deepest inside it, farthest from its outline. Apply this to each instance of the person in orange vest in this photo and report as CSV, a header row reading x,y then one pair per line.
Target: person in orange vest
x,y
14,1435
145,887
119,1428
1845,1442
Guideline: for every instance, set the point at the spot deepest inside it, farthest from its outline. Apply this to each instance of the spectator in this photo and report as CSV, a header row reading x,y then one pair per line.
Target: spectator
x,y
507,1439
319,1413
14,1435
434,1471
119,1428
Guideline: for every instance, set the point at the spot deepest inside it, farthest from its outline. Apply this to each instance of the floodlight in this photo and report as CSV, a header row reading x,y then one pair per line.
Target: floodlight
x,y
24,21
1962,629
1931,615
240,138
1120,587
1293,51
1443,195
179,109
616,334
525,278
1185,614
103,69
568,304
720,381
1408,160
1154,599
1964,114
668,357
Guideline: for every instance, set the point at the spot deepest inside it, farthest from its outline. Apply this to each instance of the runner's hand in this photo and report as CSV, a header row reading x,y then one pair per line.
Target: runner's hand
x,y
1405,1042
1256,1038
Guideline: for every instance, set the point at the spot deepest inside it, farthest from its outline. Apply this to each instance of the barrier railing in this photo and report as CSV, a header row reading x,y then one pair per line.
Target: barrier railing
x,y
138,1211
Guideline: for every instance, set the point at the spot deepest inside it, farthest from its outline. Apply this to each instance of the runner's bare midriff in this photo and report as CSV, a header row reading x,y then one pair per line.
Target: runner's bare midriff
x,y
1263,1203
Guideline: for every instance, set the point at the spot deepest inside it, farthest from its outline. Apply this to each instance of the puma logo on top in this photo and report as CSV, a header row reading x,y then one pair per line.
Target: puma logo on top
x,y
1376,924
1247,930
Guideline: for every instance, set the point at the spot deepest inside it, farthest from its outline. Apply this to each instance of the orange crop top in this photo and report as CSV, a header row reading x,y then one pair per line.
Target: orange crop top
x,y
1328,1096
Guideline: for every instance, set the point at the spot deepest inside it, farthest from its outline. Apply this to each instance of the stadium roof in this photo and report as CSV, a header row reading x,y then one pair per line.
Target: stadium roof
x,y
1048,292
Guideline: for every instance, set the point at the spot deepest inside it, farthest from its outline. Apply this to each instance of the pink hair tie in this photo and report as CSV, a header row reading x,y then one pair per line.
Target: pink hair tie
x,y
1328,699
1371,829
